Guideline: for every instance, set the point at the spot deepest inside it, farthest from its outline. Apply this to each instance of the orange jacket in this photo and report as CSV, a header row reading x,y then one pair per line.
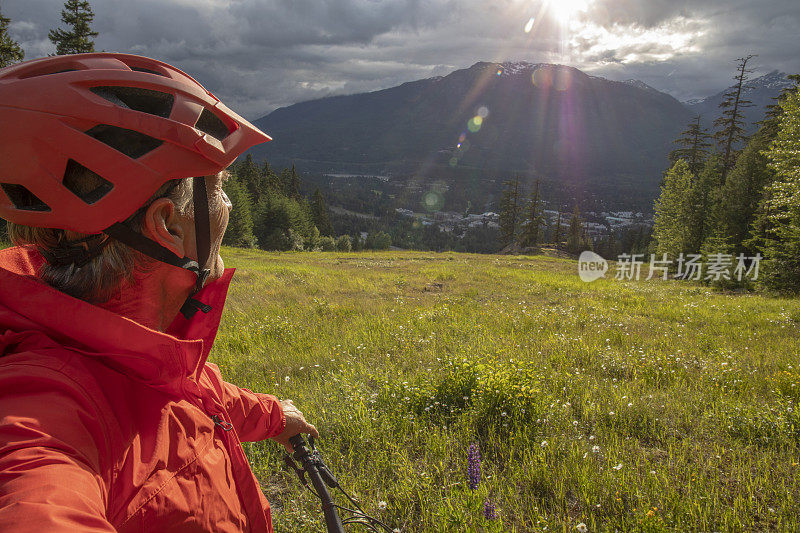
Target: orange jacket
x,y
106,425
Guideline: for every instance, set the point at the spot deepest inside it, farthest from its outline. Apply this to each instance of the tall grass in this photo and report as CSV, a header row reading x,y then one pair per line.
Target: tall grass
x,y
638,406
633,406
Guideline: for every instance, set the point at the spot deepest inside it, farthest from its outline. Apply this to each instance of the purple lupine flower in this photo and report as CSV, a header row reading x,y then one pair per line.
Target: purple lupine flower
x,y
489,510
474,467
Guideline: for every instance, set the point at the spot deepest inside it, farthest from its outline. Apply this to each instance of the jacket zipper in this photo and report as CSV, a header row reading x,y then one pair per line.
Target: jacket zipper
x,y
218,421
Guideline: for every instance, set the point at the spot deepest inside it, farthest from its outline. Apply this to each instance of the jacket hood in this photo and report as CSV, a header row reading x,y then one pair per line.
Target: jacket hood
x,y
35,315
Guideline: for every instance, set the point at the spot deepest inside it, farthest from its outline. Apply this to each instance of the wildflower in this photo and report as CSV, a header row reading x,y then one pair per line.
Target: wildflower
x,y
286,379
618,467
381,505
544,444
582,528
489,510
595,449
474,466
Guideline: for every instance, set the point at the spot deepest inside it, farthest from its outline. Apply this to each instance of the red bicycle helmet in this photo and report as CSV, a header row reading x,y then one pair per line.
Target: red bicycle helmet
x,y
134,122
84,109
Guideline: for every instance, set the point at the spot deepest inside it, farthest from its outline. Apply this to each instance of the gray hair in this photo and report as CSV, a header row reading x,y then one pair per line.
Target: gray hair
x,y
100,279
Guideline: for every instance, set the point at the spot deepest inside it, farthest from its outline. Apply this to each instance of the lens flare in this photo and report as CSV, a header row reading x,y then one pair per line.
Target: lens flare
x,y
483,112
474,124
542,77
432,201
529,25
499,72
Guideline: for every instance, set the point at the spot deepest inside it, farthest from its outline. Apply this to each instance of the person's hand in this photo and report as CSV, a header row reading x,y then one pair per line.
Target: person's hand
x,y
295,424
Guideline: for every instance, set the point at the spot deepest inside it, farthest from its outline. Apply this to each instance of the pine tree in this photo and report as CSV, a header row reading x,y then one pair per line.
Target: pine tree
x,y
319,212
694,144
576,237
271,178
79,38
672,212
777,225
240,224
290,182
731,124
702,199
510,212
252,179
10,51
742,192
531,236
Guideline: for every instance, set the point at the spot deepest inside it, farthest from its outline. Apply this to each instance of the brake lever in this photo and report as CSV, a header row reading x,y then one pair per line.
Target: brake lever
x,y
299,471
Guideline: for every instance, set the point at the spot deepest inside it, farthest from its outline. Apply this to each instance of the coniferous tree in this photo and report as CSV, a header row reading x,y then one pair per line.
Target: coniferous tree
x,y
702,199
777,225
694,144
290,182
531,236
741,194
319,213
510,212
240,223
576,236
271,178
250,177
10,51
731,124
671,224
79,37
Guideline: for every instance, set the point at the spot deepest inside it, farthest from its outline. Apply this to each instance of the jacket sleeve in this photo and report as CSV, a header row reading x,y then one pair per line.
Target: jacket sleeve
x,y
49,459
255,416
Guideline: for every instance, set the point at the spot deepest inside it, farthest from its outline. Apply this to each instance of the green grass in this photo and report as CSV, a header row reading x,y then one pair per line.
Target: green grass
x,y
402,359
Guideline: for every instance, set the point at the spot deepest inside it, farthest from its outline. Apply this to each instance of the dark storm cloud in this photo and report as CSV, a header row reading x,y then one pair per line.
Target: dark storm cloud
x,y
261,54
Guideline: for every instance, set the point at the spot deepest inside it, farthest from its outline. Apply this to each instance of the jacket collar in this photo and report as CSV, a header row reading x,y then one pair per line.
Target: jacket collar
x,y
162,360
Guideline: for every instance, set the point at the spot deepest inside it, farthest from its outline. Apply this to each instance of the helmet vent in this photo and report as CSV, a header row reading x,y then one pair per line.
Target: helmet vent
x,y
22,198
40,72
148,71
144,100
85,184
211,124
129,142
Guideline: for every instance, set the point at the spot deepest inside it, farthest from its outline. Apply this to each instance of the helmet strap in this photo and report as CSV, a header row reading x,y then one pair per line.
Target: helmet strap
x,y
152,249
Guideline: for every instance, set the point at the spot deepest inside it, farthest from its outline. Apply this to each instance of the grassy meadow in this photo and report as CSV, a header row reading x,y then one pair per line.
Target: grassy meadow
x,y
633,406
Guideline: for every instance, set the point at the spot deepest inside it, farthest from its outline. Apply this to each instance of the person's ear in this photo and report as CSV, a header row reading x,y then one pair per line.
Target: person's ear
x,y
164,225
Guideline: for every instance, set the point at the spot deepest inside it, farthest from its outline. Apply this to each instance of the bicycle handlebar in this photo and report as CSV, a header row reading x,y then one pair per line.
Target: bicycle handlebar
x,y
321,479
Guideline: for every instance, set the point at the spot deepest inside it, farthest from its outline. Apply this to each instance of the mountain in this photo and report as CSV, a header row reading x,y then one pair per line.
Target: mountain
x,y
583,135
762,91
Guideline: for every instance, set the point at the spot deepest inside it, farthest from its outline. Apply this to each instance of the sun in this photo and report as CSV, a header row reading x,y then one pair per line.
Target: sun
x,y
564,10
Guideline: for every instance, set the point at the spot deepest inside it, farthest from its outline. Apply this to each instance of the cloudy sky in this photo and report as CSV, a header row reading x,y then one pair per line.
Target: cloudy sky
x,y
257,55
